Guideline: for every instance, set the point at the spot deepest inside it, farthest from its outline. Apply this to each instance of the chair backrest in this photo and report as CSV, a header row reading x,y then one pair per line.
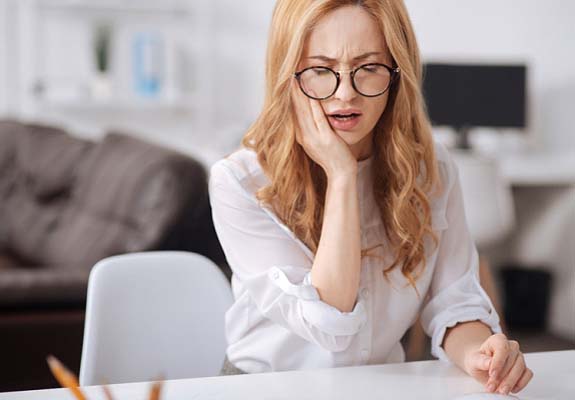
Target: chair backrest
x,y
154,315
487,197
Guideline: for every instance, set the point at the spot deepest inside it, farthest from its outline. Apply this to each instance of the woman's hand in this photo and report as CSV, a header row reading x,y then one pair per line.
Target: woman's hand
x,y
499,364
318,139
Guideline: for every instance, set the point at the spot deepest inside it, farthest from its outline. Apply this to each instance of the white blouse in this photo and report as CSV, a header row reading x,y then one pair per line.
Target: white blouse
x,y
278,321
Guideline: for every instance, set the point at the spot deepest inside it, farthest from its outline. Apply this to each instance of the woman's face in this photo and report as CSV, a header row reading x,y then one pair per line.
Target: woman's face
x,y
343,40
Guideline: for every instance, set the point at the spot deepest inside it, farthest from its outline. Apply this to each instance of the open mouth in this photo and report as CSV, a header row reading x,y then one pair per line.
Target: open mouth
x,y
344,120
345,117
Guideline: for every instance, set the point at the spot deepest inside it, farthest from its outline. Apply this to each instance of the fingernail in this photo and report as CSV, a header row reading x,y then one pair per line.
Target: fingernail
x,y
504,390
491,387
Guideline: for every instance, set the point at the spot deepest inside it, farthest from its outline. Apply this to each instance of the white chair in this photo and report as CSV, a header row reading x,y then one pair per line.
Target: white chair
x,y
487,197
154,315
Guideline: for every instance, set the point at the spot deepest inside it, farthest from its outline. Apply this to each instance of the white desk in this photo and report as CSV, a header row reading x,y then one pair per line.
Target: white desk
x,y
539,168
554,379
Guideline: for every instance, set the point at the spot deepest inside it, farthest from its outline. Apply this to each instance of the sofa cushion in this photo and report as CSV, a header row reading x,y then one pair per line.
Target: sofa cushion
x,y
50,159
141,184
115,196
29,226
41,166
81,239
129,193
9,133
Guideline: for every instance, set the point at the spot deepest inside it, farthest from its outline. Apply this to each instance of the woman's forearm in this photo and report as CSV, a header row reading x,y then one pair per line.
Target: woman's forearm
x,y
462,338
337,264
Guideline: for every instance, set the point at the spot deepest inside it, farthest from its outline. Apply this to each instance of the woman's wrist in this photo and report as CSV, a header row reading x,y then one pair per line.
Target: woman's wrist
x,y
464,339
342,182
341,176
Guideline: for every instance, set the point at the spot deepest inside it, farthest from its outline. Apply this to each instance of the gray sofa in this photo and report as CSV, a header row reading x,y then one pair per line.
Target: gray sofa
x,y
66,203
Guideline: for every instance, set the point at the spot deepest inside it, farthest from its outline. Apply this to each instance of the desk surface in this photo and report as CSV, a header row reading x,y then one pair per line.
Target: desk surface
x,y
554,379
539,169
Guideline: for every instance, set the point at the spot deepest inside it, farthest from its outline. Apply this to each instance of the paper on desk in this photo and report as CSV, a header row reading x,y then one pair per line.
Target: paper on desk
x,y
494,396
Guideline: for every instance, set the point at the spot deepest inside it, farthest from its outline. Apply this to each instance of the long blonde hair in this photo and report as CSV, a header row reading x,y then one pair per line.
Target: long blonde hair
x,y
404,167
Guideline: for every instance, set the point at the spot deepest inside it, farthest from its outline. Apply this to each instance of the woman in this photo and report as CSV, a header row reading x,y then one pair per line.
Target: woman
x,y
340,217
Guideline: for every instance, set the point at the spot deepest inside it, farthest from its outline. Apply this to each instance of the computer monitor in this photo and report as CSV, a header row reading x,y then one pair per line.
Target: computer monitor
x,y
464,96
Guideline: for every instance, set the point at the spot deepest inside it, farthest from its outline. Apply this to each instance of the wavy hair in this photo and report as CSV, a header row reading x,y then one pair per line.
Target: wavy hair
x,y
404,166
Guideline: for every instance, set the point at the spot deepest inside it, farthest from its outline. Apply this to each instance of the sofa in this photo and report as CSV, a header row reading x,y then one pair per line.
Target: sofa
x,y
67,202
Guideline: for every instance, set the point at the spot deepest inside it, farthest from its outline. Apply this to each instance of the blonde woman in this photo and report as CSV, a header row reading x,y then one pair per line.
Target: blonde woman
x,y
340,217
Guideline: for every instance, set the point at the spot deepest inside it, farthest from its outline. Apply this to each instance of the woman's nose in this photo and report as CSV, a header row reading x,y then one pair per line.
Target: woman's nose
x,y
345,91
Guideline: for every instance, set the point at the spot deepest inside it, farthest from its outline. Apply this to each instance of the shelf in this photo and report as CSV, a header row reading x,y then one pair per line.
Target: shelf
x,y
136,105
61,83
134,7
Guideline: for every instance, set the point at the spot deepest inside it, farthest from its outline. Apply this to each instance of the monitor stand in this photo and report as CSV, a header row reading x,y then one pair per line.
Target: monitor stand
x,y
462,137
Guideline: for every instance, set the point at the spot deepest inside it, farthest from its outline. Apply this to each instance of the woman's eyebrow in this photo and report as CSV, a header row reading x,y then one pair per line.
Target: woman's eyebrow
x,y
358,58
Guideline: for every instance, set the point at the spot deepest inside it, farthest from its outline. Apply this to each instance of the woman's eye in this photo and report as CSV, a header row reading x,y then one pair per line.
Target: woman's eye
x,y
321,71
372,69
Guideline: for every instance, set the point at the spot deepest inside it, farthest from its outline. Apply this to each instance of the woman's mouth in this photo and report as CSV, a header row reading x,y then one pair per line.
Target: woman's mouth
x,y
344,121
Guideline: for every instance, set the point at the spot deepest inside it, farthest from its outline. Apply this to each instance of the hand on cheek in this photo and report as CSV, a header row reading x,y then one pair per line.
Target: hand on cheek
x,y
317,137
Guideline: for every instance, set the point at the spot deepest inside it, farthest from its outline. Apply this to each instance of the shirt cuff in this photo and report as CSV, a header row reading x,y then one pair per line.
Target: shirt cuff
x,y
318,313
464,301
437,340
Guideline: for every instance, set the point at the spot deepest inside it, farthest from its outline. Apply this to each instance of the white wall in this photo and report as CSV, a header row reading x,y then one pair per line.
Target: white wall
x,y
241,30
9,95
540,33
3,55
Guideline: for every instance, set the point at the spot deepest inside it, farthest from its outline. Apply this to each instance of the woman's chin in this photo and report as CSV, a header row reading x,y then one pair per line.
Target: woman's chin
x,y
350,137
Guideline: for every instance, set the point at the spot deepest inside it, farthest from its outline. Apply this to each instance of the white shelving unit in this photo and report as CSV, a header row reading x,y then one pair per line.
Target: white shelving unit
x,y
58,78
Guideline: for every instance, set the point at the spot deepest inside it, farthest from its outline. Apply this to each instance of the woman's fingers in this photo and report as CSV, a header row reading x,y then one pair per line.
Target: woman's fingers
x,y
303,112
512,377
317,138
318,116
523,381
509,363
477,365
499,347
507,368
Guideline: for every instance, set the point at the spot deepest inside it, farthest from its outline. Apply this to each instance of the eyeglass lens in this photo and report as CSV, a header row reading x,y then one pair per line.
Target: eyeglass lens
x,y
369,80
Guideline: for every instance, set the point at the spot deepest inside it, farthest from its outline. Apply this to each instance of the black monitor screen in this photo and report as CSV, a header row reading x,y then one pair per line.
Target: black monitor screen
x,y
460,95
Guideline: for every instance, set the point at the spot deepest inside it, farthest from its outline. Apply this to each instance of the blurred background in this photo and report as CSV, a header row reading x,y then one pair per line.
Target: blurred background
x,y
112,112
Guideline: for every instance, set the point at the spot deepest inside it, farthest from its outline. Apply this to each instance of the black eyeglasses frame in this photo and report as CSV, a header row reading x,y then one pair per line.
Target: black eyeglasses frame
x,y
393,72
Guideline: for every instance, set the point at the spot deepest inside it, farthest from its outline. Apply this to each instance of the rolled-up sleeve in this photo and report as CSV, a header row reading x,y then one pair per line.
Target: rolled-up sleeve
x,y
455,295
274,266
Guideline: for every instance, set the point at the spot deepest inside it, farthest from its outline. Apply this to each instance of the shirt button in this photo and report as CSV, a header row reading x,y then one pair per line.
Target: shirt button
x,y
365,293
275,275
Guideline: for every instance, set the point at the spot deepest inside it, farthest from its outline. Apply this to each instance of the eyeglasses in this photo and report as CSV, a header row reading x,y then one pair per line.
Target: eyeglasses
x,y
369,80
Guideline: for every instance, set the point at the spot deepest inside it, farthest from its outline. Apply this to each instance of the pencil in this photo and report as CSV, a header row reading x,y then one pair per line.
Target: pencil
x,y
107,393
66,378
155,391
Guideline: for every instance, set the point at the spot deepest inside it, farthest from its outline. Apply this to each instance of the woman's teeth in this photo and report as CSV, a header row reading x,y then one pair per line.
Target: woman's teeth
x,y
344,117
